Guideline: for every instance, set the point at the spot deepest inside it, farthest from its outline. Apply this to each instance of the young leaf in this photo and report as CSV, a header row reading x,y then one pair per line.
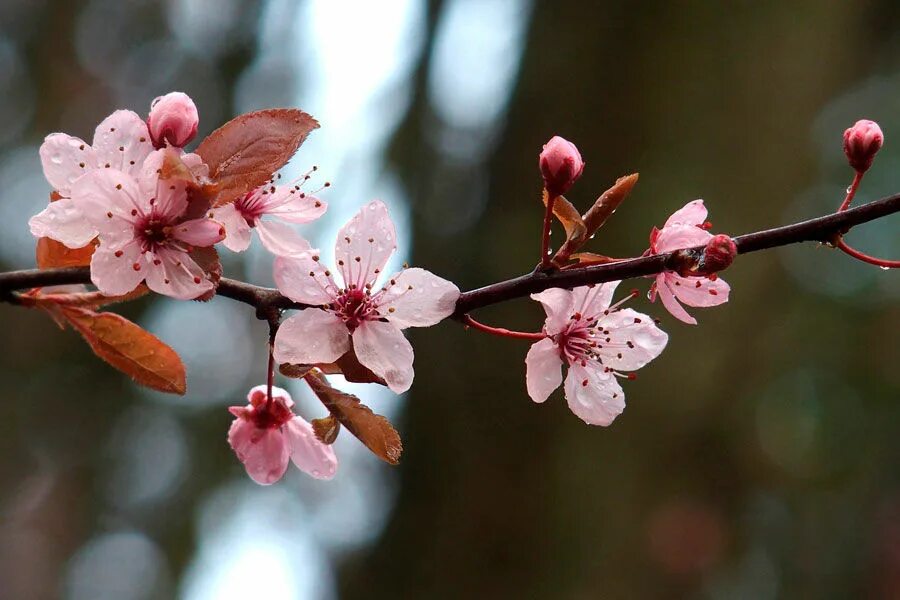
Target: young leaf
x,y
347,365
570,219
326,429
130,349
586,259
50,254
207,258
243,153
370,428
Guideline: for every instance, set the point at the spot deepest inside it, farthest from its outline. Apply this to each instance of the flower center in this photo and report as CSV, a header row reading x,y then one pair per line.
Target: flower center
x,y
271,416
252,204
354,306
153,233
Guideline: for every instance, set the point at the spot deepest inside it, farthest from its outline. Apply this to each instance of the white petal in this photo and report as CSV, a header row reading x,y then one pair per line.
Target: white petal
x,y
110,201
593,395
692,213
364,245
64,222
280,239
386,352
122,141
237,230
593,300
264,452
633,340
557,303
114,274
288,204
417,298
699,291
543,369
174,273
677,237
670,302
311,336
309,454
304,279
65,159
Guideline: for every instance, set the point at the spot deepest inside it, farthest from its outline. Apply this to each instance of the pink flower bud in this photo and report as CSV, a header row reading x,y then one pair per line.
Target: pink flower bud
x,y
719,253
561,165
173,119
861,143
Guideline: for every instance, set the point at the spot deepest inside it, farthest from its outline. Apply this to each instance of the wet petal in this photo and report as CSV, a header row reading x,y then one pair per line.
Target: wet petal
x,y
417,298
304,279
113,268
692,213
64,222
543,369
386,352
122,141
633,340
174,273
699,291
264,452
309,454
592,300
288,205
557,303
65,159
199,232
364,245
678,237
311,336
237,230
593,395
669,301
280,239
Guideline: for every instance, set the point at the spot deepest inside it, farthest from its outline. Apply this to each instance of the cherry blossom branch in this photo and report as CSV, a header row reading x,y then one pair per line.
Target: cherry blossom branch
x,y
266,300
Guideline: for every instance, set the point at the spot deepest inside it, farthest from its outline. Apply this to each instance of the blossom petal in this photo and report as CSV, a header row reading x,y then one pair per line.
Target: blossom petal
x,y
692,213
258,394
290,205
592,300
417,298
669,301
65,159
309,454
237,229
594,395
199,232
364,245
633,340
311,336
64,222
264,452
280,239
383,348
304,279
543,369
122,141
677,237
174,273
113,268
699,291
110,201
557,303
195,165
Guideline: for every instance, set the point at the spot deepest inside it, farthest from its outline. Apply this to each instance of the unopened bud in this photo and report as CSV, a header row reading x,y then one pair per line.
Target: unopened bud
x,y
173,119
718,254
861,143
561,165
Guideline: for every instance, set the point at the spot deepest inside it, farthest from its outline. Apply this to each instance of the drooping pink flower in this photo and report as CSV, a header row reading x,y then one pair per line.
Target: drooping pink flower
x,y
685,229
561,165
267,435
146,231
173,120
597,341
281,203
121,142
373,319
861,143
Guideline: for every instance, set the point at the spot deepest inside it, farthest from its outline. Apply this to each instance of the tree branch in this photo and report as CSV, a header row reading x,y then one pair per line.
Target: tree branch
x,y
821,229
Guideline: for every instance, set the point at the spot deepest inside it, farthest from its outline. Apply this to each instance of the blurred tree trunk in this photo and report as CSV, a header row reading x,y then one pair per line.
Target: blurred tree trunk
x,y
501,498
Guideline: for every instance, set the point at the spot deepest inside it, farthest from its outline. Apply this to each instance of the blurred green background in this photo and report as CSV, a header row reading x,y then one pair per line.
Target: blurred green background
x,y
758,456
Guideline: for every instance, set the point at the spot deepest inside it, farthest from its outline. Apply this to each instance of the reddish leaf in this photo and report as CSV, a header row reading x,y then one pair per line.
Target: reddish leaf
x,y
597,215
586,259
50,254
130,349
372,429
295,371
244,153
326,429
208,259
569,217
347,365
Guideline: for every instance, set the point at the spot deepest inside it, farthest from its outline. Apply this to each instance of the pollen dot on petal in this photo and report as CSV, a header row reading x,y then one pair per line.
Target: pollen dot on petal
x,y
391,309
315,258
340,263
318,204
106,166
698,284
81,165
136,266
377,271
119,253
584,383
347,239
166,281
358,259
109,214
112,128
371,240
130,162
157,262
312,273
121,148
713,293
133,212
196,280
118,186
143,139
81,147
637,320
327,273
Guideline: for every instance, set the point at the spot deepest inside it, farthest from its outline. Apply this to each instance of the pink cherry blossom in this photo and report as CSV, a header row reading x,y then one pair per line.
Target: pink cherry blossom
x,y
373,319
266,435
145,230
281,203
561,165
685,229
121,142
861,143
173,120
597,341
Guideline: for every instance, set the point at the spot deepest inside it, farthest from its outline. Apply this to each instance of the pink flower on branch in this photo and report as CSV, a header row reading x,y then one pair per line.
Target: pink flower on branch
x,y
686,228
267,435
373,319
598,341
173,120
561,165
280,202
146,230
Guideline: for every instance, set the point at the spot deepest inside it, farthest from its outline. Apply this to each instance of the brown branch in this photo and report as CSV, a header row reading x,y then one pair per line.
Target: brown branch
x,y
821,229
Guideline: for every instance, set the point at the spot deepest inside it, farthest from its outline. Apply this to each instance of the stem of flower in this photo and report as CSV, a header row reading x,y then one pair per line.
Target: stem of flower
x,y
851,251
851,191
468,321
545,233
270,379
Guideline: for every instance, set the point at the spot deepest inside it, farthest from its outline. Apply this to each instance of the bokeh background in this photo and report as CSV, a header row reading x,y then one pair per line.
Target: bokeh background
x,y
757,458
